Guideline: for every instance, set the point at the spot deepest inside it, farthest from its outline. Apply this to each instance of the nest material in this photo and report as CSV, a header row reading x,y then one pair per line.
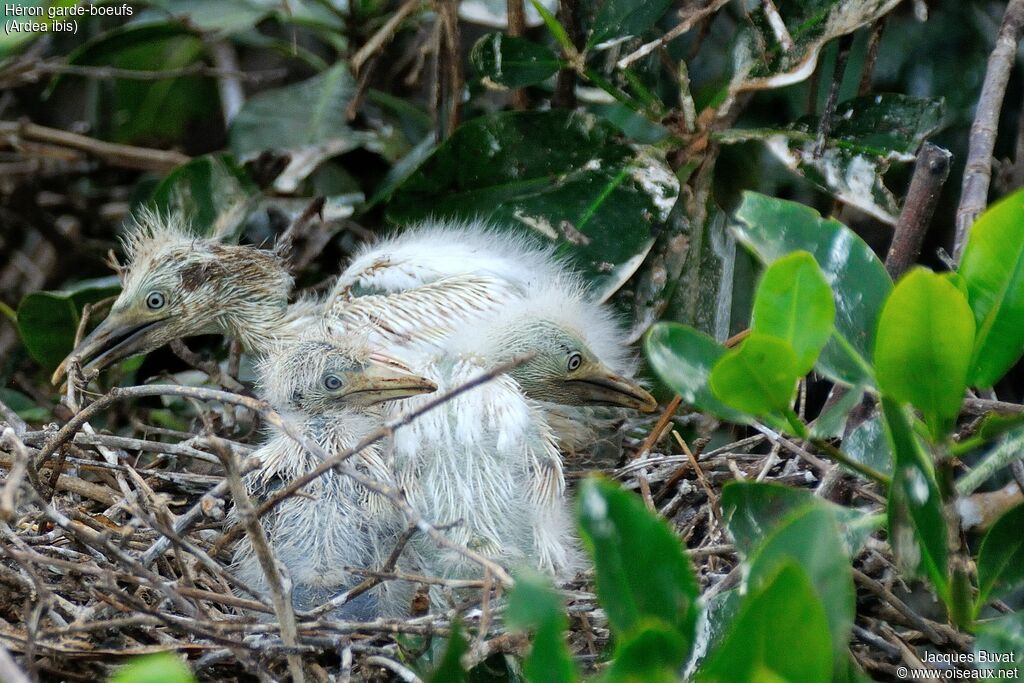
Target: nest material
x,y
94,573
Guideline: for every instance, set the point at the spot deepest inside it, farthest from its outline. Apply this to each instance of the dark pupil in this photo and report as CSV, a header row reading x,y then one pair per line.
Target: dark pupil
x,y
332,382
155,300
574,362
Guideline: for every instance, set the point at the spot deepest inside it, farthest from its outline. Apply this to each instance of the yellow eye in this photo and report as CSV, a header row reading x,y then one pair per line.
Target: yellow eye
x,y
575,361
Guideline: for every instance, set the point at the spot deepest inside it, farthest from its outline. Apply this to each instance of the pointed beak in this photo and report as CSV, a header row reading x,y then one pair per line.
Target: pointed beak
x,y
600,386
115,338
385,379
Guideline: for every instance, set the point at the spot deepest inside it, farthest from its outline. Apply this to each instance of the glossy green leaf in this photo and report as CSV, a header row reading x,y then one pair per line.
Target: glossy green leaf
x,y
23,406
917,526
534,604
831,422
759,377
142,109
1001,557
810,537
163,667
754,510
794,303
641,570
992,266
922,349
683,357
625,18
512,62
213,191
773,228
868,445
449,669
761,62
48,321
653,653
1000,644
225,17
781,633
867,134
306,120
565,177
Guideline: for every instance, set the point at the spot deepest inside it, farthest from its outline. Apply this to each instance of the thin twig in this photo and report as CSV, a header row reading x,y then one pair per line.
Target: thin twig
x,y
978,171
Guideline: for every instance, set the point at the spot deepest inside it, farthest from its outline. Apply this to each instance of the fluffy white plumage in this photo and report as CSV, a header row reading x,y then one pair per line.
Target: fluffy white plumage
x,y
434,278
336,523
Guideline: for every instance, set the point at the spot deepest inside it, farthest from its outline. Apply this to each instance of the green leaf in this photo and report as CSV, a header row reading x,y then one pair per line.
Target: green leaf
x,y
213,191
867,134
772,228
759,377
754,510
992,266
534,604
922,349
867,445
1001,640
917,527
794,303
48,321
653,653
163,667
449,669
11,40
641,569
225,17
810,537
1001,557
683,357
781,633
831,423
761,62
512,62
23,406
153,112
625,18
566,177
305,120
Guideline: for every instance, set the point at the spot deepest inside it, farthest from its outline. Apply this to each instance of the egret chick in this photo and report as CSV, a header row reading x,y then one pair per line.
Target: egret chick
x,y
332,392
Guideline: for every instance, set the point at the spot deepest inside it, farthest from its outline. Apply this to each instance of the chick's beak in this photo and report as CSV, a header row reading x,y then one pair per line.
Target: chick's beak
x,y
385,379
600,386
119,335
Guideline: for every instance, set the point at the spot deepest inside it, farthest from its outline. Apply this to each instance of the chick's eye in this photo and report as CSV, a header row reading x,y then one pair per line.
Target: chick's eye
x,y
155,301
332,382
575,361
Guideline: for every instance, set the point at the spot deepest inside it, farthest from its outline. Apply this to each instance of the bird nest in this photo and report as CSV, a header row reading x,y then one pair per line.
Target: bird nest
x,y
114,545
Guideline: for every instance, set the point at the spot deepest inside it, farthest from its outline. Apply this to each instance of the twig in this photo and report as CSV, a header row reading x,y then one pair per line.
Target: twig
x,y
10,672
280,587
689,17
125,156
11,418
394,667
874,42
777,25
517,27
978,171
564,96
930,173
825,123
383,35
229,85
